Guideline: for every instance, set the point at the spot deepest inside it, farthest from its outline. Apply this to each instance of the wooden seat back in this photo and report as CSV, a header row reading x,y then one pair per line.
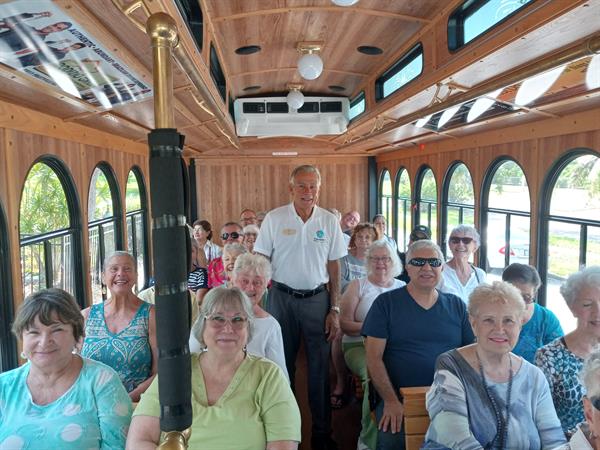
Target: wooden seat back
x,y
416,419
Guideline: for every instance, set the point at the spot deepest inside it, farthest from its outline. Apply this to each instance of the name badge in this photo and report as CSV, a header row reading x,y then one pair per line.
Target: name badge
x,y
288,231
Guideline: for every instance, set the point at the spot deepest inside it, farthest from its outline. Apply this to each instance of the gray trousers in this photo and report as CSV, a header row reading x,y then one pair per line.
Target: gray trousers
x,y
306,317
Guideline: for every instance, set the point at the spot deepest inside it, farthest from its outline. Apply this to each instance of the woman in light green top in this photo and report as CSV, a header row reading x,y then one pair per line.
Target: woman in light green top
x,y
239,401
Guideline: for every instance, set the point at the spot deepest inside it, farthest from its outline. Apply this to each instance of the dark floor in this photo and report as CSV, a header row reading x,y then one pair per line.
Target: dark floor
x,y
346,421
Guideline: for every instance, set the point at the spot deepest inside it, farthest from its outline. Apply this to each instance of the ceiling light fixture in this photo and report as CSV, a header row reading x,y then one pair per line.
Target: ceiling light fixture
x,y
310,64
295,98
344,2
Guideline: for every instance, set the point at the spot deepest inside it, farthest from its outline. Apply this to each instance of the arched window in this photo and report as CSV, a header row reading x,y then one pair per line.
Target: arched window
x,y
572,210
8,345
403,210
385,200
135,205
459,200
50,231
104,224
506,217
427,201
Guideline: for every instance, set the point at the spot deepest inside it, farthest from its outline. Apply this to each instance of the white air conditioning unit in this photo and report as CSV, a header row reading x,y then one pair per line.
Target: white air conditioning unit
x,y
271,116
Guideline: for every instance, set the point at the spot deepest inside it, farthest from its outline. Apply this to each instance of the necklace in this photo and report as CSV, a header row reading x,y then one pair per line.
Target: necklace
x,y
501,422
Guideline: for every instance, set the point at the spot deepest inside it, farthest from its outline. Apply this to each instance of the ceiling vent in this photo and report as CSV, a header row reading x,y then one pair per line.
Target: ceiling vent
x,y
271,116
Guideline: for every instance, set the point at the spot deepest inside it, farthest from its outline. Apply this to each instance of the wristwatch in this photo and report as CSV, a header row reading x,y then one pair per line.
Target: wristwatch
x,y
335,309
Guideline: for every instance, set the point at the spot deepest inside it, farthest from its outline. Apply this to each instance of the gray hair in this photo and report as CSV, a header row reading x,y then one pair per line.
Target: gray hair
x,y
235,247
522,273
252,229
396,264
231,224
46,304
306,168
497,292
117,254
422,245
468,230
587,277
590,373
222,297
253,263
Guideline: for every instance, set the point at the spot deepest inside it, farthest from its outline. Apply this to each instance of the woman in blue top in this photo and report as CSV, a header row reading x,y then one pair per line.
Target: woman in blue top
x,y
540,325
59,400
121,332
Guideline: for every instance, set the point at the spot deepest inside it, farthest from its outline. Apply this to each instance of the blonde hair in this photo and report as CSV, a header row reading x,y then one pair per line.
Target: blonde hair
x,y
497,292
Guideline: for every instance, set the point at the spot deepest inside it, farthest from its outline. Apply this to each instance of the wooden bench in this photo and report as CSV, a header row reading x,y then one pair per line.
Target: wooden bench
x,y
416,419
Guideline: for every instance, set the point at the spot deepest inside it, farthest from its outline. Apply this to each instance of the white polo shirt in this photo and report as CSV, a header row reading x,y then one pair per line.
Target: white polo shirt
x,y
299,250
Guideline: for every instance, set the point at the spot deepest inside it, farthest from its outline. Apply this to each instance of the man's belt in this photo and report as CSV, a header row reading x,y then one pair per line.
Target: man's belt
x,y
298,293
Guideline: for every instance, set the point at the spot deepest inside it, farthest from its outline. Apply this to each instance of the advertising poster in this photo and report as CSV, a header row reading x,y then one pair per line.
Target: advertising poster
x,y
39,39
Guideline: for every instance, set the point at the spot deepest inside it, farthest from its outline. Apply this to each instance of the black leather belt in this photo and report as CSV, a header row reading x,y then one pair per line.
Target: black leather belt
x,y
298,293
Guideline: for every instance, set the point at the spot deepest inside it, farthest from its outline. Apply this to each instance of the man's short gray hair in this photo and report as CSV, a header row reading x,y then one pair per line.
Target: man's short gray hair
x,y
396,268
222,297
421,245
585,278
305,168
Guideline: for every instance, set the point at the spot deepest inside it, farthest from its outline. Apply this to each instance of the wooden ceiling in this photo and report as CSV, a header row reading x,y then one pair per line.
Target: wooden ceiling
x,y
540,31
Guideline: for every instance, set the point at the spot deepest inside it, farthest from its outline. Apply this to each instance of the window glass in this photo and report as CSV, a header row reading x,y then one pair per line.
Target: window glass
x,y
574,215
192,15
357,105
404,219
460,205
508,219
46,237
102,229
428,203
8,347
386,200
406,69
216,72
136,226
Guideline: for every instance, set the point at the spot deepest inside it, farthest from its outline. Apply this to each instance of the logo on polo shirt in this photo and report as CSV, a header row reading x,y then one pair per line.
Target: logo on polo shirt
x,y
319,236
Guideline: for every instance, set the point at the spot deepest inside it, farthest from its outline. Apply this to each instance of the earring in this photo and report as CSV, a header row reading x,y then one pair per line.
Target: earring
x,y
24,355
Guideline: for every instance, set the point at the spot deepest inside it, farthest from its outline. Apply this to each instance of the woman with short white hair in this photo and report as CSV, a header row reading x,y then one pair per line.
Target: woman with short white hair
x,y
460,276
250,234
483,395
562,359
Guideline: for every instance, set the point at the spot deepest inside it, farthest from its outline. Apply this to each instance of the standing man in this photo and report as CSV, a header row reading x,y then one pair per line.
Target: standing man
x,y
248,217
305,243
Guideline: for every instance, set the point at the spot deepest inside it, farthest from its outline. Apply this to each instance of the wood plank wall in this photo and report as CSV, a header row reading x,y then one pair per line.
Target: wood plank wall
x,y
226,186
536,147
27,135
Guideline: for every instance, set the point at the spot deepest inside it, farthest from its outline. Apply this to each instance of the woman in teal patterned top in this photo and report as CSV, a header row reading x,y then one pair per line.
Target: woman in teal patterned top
x,y
59,400
121,332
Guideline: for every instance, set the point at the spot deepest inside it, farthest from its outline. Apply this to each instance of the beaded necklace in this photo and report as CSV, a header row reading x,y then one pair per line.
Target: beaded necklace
x,y
501,423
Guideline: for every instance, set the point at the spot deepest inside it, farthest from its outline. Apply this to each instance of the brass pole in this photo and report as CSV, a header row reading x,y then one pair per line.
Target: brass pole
x,y
163,32
590,46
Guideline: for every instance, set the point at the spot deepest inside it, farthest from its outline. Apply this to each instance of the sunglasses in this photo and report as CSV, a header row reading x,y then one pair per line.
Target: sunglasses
x,y
464,240
217,321
420,262
234,235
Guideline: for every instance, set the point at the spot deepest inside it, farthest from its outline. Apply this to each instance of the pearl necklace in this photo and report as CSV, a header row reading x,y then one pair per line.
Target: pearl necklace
x,y
501,422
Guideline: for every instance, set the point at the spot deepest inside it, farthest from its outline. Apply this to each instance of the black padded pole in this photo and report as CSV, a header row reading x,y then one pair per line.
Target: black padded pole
x,y
169,239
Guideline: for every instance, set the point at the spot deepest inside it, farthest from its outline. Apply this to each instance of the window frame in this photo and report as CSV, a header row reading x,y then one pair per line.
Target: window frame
x,y
445,203
417,199
543,228
361,96
390,219
191,13
455,32
485,210
74,230
216,72
116,218
407,211
142,214
8,343
408,57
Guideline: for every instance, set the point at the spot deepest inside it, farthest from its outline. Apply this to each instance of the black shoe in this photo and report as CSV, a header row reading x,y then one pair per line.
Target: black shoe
x,y
321,442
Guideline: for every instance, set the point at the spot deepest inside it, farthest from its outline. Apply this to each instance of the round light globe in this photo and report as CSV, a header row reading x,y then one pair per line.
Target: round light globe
x,y
295,99
344,2
310,66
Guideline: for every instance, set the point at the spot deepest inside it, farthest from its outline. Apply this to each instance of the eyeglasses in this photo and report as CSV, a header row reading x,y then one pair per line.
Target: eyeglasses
x,y
377,259
420,262
234,235
528,299
217,321
596,402
464,240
